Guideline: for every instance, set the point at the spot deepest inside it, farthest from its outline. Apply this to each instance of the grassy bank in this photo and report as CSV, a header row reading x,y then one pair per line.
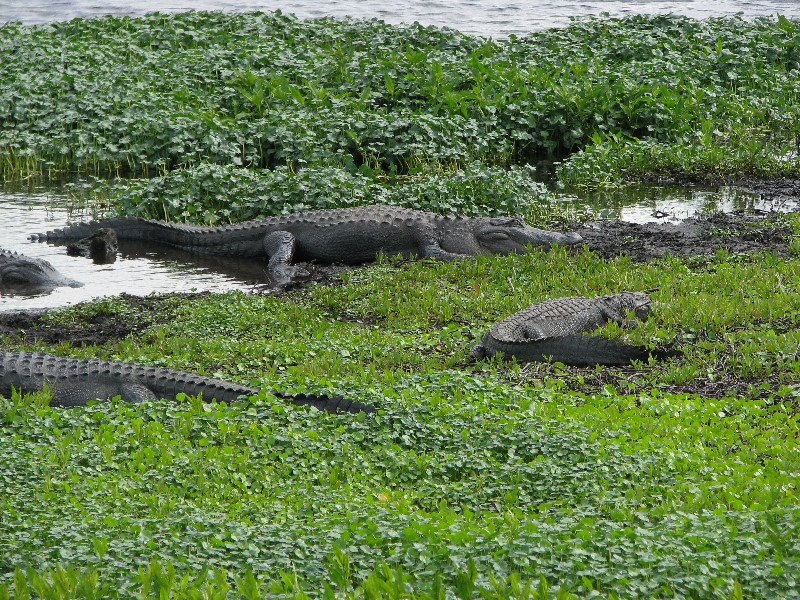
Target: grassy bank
x,y
666,480
477,477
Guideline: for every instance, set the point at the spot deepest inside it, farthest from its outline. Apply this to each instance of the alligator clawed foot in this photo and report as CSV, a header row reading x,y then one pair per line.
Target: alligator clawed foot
x,y
286,276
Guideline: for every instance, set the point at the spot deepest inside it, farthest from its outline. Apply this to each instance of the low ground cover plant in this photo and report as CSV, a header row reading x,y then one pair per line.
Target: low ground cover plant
x,y
488,480
480,479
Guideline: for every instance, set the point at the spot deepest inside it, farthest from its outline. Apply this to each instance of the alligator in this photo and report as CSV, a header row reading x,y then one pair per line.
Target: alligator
x,y
77,381
101,246
343,235
555,330
24,273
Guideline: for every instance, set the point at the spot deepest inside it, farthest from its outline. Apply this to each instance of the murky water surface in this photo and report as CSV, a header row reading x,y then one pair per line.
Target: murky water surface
x,y
138,270
495,18
646,203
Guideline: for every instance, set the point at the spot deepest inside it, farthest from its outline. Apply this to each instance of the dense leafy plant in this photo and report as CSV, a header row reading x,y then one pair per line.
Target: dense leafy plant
x,y
714,158
162,92
210,193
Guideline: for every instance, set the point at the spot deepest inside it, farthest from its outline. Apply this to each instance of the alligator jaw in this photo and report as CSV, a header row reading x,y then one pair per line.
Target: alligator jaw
x,y
514,236
538,237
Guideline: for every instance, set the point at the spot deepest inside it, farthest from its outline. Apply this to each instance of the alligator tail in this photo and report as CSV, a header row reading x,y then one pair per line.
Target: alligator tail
x,y
231,240
124,227
329,404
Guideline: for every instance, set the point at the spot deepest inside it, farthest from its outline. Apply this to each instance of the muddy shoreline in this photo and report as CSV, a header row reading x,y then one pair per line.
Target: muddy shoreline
x,y
737,233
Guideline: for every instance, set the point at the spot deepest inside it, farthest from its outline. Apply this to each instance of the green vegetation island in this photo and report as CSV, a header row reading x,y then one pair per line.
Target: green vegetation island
x,y
498,480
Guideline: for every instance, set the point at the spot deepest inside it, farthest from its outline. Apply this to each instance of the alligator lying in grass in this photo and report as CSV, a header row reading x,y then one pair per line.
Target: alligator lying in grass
x,y
76,381
554,330
23,273
346,235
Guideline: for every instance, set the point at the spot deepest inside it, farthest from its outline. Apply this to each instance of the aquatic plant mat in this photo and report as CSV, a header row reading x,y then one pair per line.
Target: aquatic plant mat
x,y
234,116
671,479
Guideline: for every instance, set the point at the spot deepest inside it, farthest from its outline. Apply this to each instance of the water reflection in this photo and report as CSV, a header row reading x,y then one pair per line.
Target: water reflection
x,y
138,270
495,18
646,202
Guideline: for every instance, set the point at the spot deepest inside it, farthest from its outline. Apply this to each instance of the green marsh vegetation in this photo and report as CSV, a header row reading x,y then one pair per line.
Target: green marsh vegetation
x,y
490,480
485,477
279,98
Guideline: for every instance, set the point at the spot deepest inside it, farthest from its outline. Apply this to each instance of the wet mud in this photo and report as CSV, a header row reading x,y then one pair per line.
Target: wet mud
x,y
90,327
635,381
736,233
98,327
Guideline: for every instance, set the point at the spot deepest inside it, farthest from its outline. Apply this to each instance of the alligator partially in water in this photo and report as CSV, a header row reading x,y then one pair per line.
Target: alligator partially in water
x,y
347,235
22,273
77,381
101,246
555,330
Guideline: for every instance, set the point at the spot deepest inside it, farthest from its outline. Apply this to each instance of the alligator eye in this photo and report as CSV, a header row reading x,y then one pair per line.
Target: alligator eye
x,y
506,222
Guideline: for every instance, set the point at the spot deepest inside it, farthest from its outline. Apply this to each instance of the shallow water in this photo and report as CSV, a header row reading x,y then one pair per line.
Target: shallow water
x,y
494,18
137,270
661,203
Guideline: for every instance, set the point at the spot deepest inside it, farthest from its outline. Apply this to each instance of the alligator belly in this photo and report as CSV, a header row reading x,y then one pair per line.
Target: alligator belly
x,y
575,350
78,393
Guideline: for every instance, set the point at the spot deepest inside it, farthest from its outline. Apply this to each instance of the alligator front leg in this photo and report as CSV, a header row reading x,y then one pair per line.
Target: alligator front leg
x,y
279,246
436,252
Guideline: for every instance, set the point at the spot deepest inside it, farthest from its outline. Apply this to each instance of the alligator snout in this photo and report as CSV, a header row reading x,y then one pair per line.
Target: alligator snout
x,y
540,237
570,239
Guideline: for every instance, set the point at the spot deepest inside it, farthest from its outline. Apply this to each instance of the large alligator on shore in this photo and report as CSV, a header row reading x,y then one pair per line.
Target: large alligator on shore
x,y
24,273
345,235
76,381
555,330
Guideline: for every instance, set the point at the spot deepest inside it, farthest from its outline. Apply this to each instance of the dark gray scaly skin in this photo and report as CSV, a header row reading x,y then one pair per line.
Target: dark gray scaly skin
x,y
20,272
555,330
76,381
101,246
347,235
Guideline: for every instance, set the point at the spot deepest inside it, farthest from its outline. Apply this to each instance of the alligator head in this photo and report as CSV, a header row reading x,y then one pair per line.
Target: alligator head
x,y
617,306
23,272
513,235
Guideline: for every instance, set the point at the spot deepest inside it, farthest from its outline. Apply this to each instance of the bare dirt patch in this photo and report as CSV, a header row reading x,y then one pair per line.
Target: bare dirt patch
x,y
100,327
94,328
634,381
737,233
